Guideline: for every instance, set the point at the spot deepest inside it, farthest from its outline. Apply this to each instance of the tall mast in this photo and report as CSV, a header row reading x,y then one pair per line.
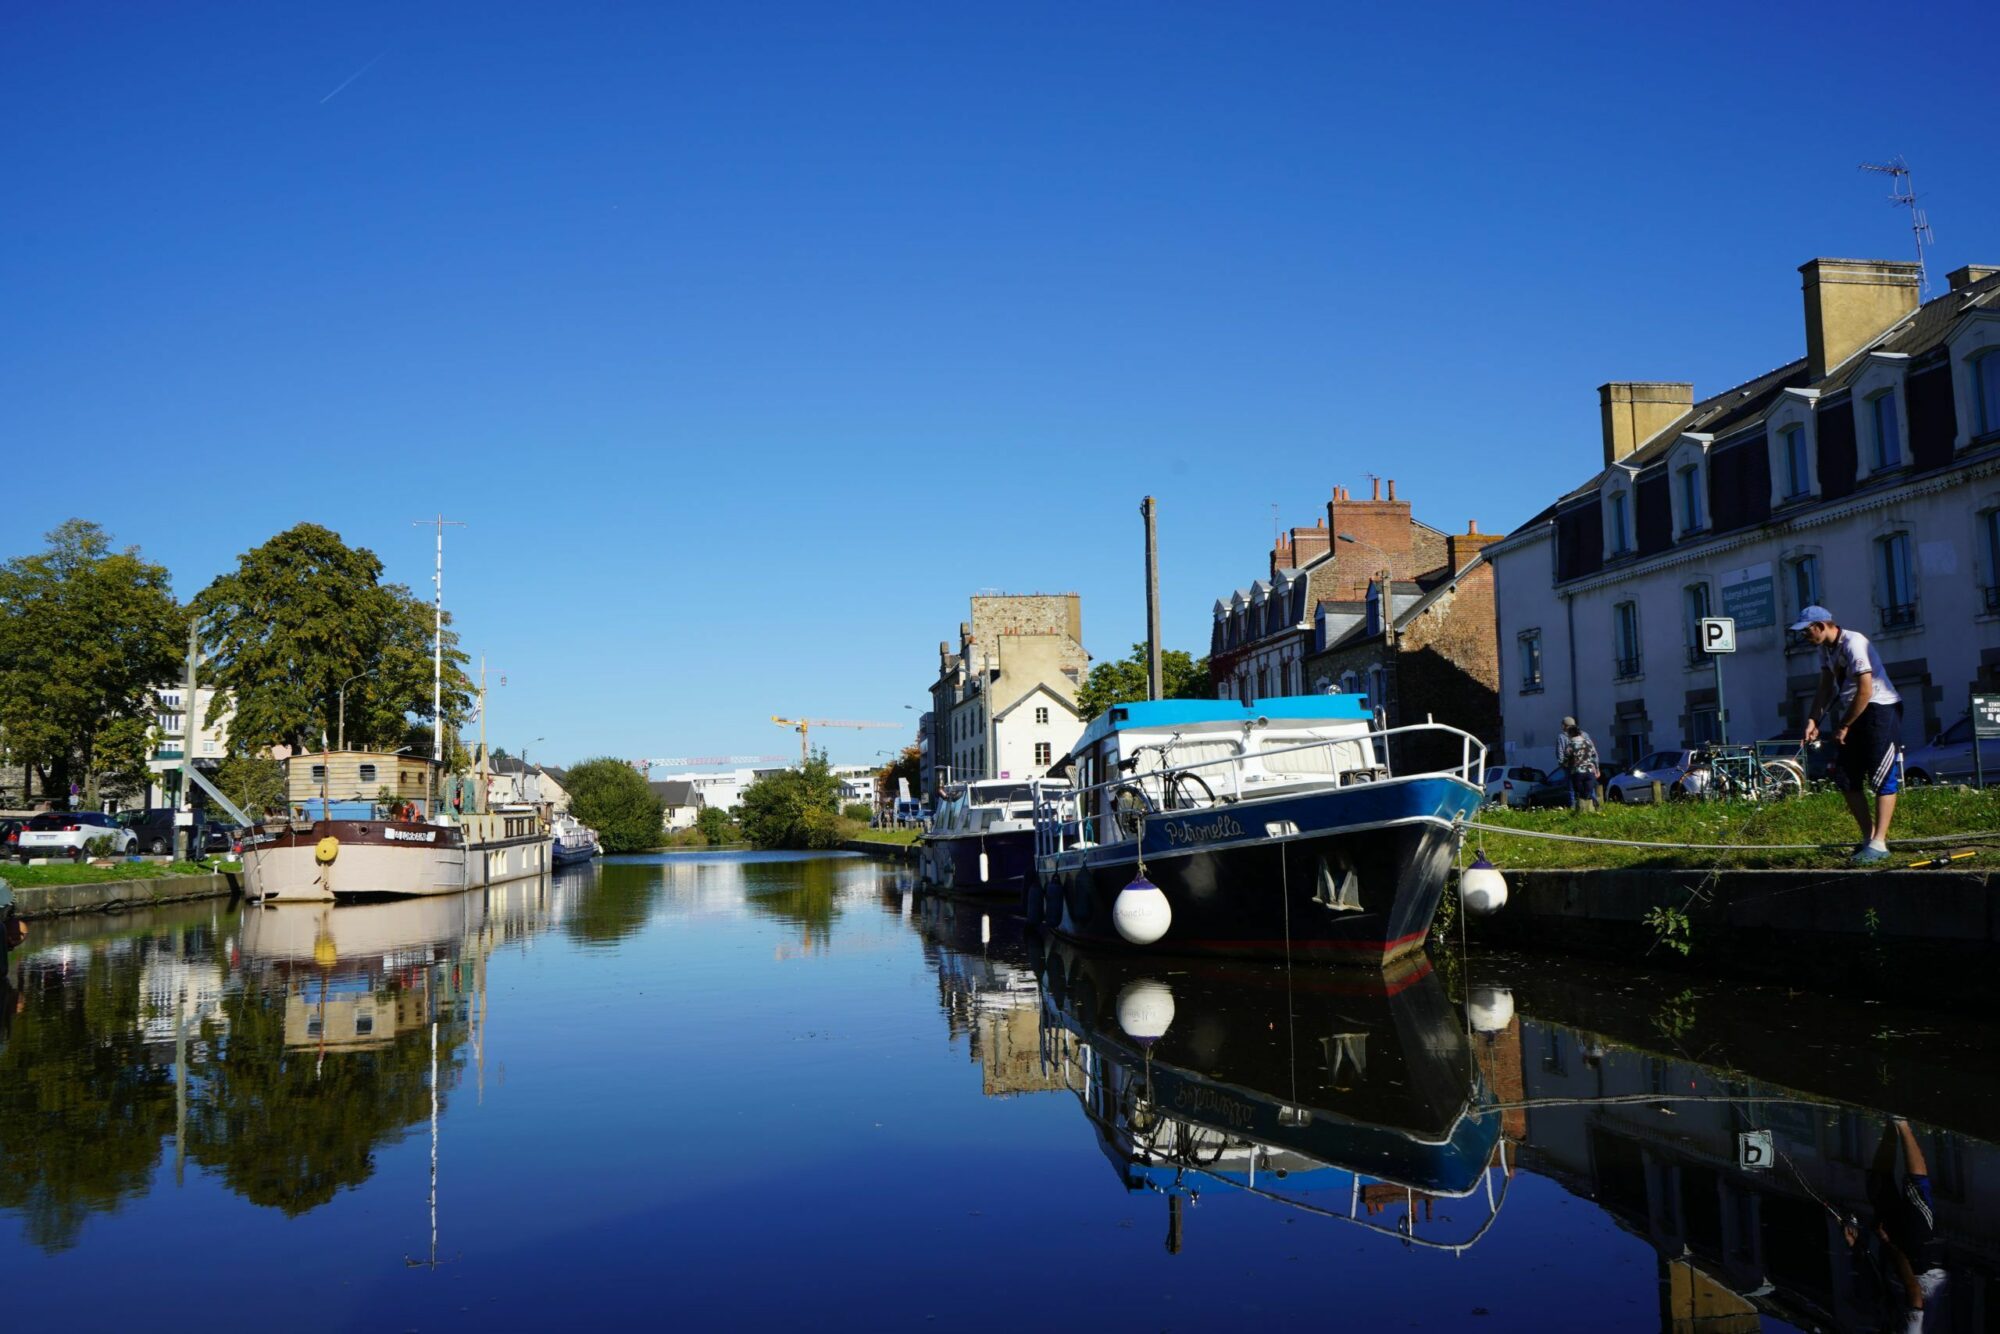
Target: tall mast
x,y
437,660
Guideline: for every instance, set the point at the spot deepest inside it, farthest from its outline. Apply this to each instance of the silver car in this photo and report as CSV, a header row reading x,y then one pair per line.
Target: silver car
x,y
1510,784
1947,757
1668,768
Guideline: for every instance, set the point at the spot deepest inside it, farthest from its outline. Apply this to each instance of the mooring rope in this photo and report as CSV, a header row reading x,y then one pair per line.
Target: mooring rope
x,y
1719,847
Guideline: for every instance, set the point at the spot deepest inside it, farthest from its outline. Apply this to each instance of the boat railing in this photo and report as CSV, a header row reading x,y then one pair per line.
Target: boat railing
x,y
1066,816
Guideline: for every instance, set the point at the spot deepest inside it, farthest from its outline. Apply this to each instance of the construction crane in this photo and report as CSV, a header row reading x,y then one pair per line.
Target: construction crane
x,y
646,767
803,726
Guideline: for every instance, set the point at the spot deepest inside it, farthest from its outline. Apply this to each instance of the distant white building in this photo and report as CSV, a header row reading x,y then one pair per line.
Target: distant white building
x,y
170,733
724,790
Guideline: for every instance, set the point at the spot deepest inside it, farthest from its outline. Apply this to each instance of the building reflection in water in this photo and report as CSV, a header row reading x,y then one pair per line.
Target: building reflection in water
x,y
276,1048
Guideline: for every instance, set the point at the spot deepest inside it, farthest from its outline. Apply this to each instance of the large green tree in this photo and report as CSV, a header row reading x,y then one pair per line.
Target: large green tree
x,y
1122,680
793,808
302,614
614,799
85,634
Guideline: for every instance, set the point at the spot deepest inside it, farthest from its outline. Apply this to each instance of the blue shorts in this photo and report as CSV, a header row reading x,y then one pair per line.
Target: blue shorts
x,y
1872,755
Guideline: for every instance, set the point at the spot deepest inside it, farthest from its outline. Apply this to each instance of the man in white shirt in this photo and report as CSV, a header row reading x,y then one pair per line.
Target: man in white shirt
x,y
1867,724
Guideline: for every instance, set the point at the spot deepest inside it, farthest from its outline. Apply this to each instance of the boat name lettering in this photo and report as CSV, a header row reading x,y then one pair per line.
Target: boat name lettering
x,y
1210,1105
1187,831
407,836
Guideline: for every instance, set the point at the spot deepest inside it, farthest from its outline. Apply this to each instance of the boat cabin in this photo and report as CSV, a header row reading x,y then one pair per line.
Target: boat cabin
x,y
1183,753
340,776
979,806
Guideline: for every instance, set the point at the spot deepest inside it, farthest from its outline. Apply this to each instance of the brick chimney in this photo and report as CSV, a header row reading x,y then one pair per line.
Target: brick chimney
x,y
1849,302
1300,547
1379,527
1634,411
1968,274
1460,548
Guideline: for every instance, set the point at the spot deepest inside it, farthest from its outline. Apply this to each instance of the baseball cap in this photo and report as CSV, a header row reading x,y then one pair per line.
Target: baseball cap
x,y
1569,722
1813,613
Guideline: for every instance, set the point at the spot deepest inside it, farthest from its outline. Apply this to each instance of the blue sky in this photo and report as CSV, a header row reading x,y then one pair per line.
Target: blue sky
x,y
751,339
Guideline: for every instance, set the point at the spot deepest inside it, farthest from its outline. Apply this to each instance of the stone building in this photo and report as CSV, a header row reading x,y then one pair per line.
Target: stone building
x,y
1430,655
1863,475
1370,600
1004,705
1263,634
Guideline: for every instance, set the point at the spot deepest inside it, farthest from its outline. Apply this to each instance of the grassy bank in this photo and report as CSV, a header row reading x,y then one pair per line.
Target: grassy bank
x,y
1820,818
23,877
899,837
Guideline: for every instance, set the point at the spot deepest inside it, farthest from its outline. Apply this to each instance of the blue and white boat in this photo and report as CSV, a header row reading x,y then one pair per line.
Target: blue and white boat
x,y
982,840
1292,826
571,842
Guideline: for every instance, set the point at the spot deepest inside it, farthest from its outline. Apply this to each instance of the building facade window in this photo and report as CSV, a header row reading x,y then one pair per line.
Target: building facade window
x,y
1625,639
1042,753
1530,648
1042,716
1897,585
1989,550
1704,726
1694,609
1888,431
1802,590
1798,463
1617,527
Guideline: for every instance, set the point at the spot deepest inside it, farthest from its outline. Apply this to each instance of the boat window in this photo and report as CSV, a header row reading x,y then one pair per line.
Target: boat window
x,y
1330,758
367,773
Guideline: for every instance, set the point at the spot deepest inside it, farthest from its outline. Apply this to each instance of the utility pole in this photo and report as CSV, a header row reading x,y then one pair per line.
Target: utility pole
x,y
1150,509
184,833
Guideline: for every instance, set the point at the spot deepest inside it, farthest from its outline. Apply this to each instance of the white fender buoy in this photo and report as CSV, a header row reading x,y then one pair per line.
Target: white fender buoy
x,y
982,868
1492,1009
1482,889
985,929
1142,913
1146,1009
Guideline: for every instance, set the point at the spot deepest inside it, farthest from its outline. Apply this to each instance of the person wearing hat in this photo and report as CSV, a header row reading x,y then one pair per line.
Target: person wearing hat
x,y
1576,754
1867,724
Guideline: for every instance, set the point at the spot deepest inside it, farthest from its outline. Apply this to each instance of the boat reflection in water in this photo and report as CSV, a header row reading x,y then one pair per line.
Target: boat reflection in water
x,y
1352,1096
275,1050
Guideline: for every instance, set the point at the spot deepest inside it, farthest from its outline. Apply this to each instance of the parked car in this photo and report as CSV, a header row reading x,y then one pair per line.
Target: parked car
x,y
1552,790
1947,757
1668,768
154,826
63,834
10,835
1509,784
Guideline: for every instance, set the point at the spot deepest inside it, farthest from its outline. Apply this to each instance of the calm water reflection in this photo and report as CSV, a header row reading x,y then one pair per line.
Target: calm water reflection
x,y
732,1091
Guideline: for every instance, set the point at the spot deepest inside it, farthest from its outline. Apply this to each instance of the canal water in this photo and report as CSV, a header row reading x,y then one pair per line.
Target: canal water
x,y
760,1091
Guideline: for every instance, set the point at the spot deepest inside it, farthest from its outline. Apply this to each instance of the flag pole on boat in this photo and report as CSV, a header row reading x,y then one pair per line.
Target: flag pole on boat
x,y
1150,510
437,658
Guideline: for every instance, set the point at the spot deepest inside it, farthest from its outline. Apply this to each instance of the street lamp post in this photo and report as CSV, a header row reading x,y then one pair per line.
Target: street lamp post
x,y
343,701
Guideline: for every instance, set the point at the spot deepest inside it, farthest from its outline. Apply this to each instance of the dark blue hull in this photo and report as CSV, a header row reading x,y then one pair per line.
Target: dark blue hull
x,y
951,863
1349,874
561,856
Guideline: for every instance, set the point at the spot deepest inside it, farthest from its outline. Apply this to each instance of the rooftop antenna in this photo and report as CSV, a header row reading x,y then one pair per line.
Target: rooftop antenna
x,y
1903,194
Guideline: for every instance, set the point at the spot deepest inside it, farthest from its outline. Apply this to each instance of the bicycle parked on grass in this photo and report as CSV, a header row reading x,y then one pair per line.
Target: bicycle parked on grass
x,y
1739,773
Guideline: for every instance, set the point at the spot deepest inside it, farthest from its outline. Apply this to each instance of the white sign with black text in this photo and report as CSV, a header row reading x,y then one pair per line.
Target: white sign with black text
x,y
1718,634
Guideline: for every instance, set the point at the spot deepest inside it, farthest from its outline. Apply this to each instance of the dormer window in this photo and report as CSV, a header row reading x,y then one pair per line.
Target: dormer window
x,y
1986,392
1617,514
1689,480
1886,427
1687,490
1797,461
1974,348
1881,416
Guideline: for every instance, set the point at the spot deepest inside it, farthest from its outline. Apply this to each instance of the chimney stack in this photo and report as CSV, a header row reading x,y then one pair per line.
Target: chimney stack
x,y
1851,302
1460,548
1634,411
1966,275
